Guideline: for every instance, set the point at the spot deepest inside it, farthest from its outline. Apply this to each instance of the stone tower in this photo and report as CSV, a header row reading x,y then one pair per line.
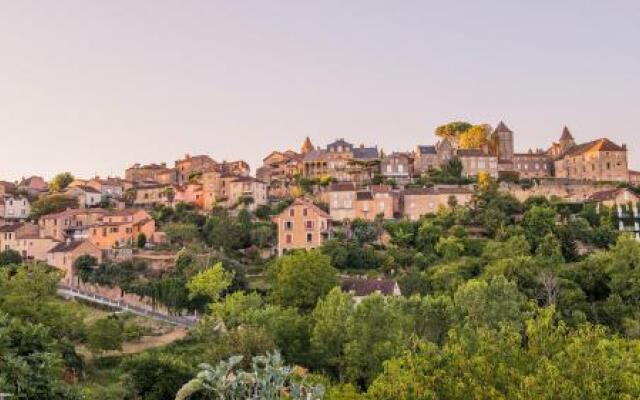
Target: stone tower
x,y
504,138
566,140
307,146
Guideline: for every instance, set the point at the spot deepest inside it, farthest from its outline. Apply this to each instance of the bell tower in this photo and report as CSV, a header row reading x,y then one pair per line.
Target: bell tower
x,y
504,138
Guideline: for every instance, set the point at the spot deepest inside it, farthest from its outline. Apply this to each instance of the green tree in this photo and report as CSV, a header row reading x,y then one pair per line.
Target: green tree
x,y
141,240
83,267
60,181
154,376
9,257
538,222
453,130
331,321
51,204
450,248
180,233
210,283
300,279
232,308
376,334
104,335
481,304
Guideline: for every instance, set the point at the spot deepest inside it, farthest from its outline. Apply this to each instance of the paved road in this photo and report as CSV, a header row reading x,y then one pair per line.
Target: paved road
x,y
71,292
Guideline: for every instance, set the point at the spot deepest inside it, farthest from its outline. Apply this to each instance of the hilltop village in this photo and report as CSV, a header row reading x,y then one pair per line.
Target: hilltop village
x,y
435,268
323,187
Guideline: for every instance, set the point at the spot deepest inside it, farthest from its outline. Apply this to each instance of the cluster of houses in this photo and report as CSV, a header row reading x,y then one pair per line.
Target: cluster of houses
x,y
111,214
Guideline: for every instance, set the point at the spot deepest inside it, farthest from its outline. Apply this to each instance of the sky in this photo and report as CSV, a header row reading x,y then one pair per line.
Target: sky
x,y
92,87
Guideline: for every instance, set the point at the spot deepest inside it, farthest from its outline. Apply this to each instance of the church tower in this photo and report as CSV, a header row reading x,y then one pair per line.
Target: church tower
x,y
504,138
566,140
307,146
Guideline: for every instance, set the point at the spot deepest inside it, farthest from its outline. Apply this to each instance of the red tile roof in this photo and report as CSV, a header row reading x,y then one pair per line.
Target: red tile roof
x,y
602,144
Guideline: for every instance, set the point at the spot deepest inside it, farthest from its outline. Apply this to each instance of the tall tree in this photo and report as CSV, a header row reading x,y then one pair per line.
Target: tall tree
x,y
300,279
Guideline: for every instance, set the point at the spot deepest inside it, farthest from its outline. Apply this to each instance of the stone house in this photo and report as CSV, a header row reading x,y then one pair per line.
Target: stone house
x,y
14,208
302,225
417,202
397,166
69,224
149,195
477,161
361,288
341,199
158,173
120,229
625,204
63,255
246,187
87,196
598,160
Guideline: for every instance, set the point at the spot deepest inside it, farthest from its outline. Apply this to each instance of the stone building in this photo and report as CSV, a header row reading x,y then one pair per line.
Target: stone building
x,y
417,202
477,161
302,225
342,161
532,164
597,160
150,172
397,166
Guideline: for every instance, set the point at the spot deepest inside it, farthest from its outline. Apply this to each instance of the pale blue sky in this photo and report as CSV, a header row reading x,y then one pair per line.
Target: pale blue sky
x,y
93,86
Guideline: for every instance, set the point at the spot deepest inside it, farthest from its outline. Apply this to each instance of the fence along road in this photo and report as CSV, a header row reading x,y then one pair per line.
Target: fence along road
x,y
71,292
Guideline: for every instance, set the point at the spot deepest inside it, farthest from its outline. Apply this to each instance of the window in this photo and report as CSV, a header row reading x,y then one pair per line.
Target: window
x,y
608,165
304,212
292,212
308,224
288,239
309,237
401,168
381,206
288,225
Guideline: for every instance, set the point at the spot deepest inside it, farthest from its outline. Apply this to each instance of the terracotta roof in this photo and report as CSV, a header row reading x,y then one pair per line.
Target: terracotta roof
x,y
304,202
602,144
342,187
365,287
11,228
566,135
75,211
437,190
66,246
502,128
